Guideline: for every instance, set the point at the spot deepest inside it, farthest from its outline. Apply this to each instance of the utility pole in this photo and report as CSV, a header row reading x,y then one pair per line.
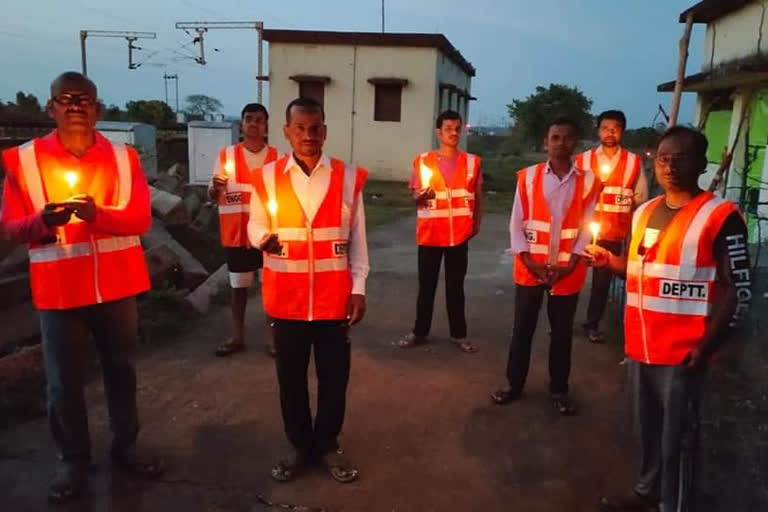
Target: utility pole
x,y
201,27
382,16
129,36
681,64
175,78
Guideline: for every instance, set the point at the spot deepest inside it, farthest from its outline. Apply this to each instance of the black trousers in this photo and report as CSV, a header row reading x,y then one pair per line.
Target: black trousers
x,y
601,285
560,310
456,259
293,342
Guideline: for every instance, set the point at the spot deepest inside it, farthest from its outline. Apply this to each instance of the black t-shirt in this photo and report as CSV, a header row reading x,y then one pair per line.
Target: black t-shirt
x,y
730,251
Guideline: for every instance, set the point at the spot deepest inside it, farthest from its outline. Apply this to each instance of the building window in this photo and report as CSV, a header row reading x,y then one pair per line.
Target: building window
x,y
388,96
312,86
313,90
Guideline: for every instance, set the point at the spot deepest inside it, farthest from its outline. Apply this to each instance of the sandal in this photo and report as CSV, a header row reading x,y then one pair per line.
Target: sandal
x,y
595,336
464,345
68,484
504,396
411,340
229,347
563,405
287,467
339,467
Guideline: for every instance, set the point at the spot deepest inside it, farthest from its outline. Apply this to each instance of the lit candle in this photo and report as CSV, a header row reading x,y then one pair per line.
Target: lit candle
x,y
595,228
229,168
426,176
605,171
71,178
272,209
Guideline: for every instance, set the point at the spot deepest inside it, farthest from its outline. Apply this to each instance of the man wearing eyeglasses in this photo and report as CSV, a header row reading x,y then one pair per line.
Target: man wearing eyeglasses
x,y
688,290
81,202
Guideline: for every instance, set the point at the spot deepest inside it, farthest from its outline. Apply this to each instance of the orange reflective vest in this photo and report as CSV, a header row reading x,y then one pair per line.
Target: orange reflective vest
x,y
447,220
671,281
536,223
310,279
234,202
614,206
83,266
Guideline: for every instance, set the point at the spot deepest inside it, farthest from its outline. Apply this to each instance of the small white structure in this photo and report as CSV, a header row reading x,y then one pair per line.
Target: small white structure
x,y
732,100
205,139
381,92
143,138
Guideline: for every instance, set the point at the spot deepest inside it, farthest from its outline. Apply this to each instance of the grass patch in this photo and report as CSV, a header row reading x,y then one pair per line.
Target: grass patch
x,y
499,180
386,201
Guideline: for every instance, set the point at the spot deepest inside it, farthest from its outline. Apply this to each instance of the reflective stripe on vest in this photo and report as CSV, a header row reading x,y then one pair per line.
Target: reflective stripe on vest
x,y
57,252
34,181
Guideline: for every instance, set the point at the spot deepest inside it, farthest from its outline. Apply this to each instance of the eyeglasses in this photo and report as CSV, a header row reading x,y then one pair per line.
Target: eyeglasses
x,y
68,99
676,158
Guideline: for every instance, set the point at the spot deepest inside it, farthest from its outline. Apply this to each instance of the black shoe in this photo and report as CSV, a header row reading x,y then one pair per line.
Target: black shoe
x,y
69,482
505,396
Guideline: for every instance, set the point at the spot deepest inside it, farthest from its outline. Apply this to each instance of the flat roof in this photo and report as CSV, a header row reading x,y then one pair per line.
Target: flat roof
x,y
438,41
735,73
708,11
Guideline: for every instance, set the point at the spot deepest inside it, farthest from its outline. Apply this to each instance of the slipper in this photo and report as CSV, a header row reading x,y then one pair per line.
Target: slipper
x,y
411,340
563,404
464,345
339,467
287,467
504,396
229,347
68,484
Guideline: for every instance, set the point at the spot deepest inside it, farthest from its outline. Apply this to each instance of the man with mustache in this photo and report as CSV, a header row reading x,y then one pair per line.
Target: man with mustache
x,y
688,289
81,202
624,187
307,216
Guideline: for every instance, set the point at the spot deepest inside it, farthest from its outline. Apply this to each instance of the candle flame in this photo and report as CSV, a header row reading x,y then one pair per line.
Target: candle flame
x,y
605,171
426,175
71,178
229,168
272,207
595,228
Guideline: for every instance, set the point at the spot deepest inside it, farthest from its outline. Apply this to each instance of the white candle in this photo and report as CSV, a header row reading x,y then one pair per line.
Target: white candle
x,y
605,171
272,209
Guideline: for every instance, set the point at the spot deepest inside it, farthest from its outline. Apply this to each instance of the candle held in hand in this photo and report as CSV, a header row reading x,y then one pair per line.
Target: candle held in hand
x,y
605,171
595,228
272,207
229,168
71,178
426,176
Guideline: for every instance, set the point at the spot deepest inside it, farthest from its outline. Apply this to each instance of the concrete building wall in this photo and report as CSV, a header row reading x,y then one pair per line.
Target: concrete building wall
x,y
386,148
450,73
736,35
334,61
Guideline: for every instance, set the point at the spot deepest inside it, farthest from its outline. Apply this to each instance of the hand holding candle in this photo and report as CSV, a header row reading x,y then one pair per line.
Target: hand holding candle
x,y
426,176
71,177
270,243
605,172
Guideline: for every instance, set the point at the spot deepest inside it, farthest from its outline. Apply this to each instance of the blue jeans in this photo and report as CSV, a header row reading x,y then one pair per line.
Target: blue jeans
x,y
65,333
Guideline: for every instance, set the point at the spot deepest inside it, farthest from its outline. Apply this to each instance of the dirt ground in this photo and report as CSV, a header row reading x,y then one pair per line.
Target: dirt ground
x,y
420,424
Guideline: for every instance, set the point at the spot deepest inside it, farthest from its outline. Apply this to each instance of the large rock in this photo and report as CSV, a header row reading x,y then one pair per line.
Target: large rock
x,y
200,298
164,265
168,207
192,271
206,217
192,203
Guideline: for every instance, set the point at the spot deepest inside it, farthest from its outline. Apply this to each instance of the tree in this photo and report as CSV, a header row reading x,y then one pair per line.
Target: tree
x,y
532,114
28,105
199,106
111,113
153,112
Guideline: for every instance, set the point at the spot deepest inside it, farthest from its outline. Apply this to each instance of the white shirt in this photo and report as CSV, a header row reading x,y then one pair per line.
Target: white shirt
x,y
641,186
558,194
310,192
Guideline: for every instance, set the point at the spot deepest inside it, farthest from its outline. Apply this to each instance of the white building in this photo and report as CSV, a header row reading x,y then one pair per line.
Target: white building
x,y
381,91
732,99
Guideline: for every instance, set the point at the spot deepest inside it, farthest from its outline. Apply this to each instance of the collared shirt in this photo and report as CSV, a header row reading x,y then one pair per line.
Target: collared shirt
x,y
641,186
310,192
558,194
